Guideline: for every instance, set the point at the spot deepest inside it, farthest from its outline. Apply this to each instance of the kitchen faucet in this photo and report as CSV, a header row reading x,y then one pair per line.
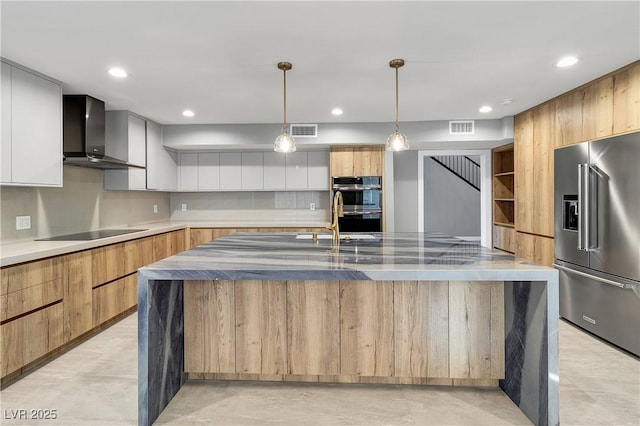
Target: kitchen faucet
x,y
338,211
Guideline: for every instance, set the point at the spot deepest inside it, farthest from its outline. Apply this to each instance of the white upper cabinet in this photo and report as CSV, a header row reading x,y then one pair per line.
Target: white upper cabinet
x,y
162,164
208,171
126,139
296,170
252,171
273,173
318,170
230,171
188,167
31,147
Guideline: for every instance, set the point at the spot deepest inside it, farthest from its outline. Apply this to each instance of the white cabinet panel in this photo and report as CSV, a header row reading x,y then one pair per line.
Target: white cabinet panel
x,y
296,170
126,139
5,148
162,165
252,170
137,141
188,171
230,171
274,173
36,130
208,171
318,170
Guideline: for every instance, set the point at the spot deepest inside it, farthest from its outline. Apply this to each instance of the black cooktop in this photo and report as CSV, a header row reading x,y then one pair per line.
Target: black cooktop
x,y
91,235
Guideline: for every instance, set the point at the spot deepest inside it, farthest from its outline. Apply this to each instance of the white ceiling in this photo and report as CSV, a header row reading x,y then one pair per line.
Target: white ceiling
x,y
219,58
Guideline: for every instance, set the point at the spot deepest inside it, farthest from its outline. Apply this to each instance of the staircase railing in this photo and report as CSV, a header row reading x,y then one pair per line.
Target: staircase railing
x,y
461,166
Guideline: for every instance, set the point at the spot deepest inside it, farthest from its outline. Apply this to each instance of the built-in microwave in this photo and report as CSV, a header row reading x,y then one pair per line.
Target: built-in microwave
x,y
362,199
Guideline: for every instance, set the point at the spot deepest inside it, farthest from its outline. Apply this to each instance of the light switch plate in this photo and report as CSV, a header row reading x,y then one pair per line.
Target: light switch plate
x,y
23,222
312,206
184,207
155,208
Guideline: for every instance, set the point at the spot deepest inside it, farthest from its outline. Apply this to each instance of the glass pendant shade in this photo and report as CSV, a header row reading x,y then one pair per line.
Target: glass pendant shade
x,y
284,143
397,142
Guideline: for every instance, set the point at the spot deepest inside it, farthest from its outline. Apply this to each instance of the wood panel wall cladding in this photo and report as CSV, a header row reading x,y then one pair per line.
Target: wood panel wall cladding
x,y
602,108
345,331
48,304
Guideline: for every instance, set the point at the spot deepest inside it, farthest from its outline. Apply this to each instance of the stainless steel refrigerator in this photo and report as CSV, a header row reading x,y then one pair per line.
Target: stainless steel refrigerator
x,y
597,237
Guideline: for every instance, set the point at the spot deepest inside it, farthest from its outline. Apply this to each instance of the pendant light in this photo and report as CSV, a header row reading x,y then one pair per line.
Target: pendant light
x,y
284,142
397,141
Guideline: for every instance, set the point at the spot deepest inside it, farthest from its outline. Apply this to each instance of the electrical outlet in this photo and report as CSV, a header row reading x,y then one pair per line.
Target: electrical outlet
x,y
155,208
23,222
312,206
184,207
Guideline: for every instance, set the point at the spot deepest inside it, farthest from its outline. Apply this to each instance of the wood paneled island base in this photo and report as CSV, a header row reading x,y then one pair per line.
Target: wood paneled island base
x,y
398,309
411,332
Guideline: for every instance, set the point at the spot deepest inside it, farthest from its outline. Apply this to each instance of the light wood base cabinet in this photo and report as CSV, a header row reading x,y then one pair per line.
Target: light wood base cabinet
x,y
445,332
49,305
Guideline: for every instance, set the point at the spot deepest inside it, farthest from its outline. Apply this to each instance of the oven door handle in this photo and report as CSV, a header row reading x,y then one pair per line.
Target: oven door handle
x,y
361,213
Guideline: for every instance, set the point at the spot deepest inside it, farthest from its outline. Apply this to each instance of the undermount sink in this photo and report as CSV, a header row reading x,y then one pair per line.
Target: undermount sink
x,y
346,237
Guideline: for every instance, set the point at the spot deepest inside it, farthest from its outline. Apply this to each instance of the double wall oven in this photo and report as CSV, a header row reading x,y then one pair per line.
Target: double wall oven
x,y
362,197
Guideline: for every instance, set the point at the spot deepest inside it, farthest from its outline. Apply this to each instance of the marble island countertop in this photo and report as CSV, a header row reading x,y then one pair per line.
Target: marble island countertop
x,y
388,256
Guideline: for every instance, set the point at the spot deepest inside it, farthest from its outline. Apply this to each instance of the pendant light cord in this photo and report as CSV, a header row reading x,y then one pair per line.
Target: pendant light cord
x,y
397,126
284,123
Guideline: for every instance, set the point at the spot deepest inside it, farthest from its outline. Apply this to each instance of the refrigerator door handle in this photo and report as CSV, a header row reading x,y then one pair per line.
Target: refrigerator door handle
x,y
587,201
593,277
580,208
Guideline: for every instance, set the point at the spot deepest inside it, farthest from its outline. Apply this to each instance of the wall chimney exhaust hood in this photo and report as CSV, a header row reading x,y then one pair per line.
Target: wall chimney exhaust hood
x,y
84,134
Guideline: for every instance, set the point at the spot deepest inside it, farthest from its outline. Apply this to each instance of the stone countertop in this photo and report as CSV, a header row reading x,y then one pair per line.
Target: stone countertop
x,y
26,251
389,256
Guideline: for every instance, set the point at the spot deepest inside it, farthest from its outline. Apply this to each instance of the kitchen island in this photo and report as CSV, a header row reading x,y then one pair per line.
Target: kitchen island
x,y
393,308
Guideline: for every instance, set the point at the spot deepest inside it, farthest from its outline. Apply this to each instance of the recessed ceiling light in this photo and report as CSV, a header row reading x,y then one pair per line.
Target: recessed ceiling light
x,y
336,111
188,113
117,72
485,109
505,101
567,61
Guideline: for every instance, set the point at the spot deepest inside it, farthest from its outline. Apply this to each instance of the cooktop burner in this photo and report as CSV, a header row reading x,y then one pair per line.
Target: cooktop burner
x,y
91,235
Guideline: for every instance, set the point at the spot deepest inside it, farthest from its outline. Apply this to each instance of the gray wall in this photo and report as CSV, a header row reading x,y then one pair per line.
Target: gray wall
x,y
81,205
405,191
451,206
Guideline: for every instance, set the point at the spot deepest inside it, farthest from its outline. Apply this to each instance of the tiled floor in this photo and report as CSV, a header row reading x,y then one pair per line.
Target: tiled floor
x,y
96,384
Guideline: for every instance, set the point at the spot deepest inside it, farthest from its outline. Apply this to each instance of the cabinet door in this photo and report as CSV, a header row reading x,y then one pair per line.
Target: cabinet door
x,y
137,152
597,106
296,170
523,157
230,171
252,170
273,172
208,171
543,144
626,100
318,170
5,148
341,161
168,167
367,161
154,147
36,130
188,171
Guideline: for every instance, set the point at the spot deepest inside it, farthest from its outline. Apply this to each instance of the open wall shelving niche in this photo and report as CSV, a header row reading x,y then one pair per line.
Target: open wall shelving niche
x,y
503,199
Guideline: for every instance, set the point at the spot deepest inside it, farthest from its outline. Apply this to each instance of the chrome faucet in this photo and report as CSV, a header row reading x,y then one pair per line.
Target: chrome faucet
x,y
337,211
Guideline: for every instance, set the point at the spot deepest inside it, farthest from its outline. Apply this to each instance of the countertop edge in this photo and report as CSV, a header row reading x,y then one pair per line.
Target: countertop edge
x,y
29,251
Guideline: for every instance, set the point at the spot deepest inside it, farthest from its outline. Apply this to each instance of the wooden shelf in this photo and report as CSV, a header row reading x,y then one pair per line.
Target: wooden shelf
x,y
504,224
504,199
505,174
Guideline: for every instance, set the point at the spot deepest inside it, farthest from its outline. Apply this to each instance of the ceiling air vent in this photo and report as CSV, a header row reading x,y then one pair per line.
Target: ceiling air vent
x,y
461,127
304,130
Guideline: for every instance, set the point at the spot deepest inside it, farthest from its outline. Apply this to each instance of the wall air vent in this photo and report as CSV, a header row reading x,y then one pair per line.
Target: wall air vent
x,y
461,127
303,130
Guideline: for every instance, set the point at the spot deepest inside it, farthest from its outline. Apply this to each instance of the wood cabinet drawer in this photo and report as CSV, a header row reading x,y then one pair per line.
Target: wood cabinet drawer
x,y
19,302
107,263
114,298
20,277
25,339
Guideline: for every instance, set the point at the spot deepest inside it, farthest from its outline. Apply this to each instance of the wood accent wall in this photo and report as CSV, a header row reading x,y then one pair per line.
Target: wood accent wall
x,y
602,108
446,332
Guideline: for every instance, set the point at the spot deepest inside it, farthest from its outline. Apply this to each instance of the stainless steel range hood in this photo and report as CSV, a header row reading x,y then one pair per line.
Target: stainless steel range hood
x,y
84,135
